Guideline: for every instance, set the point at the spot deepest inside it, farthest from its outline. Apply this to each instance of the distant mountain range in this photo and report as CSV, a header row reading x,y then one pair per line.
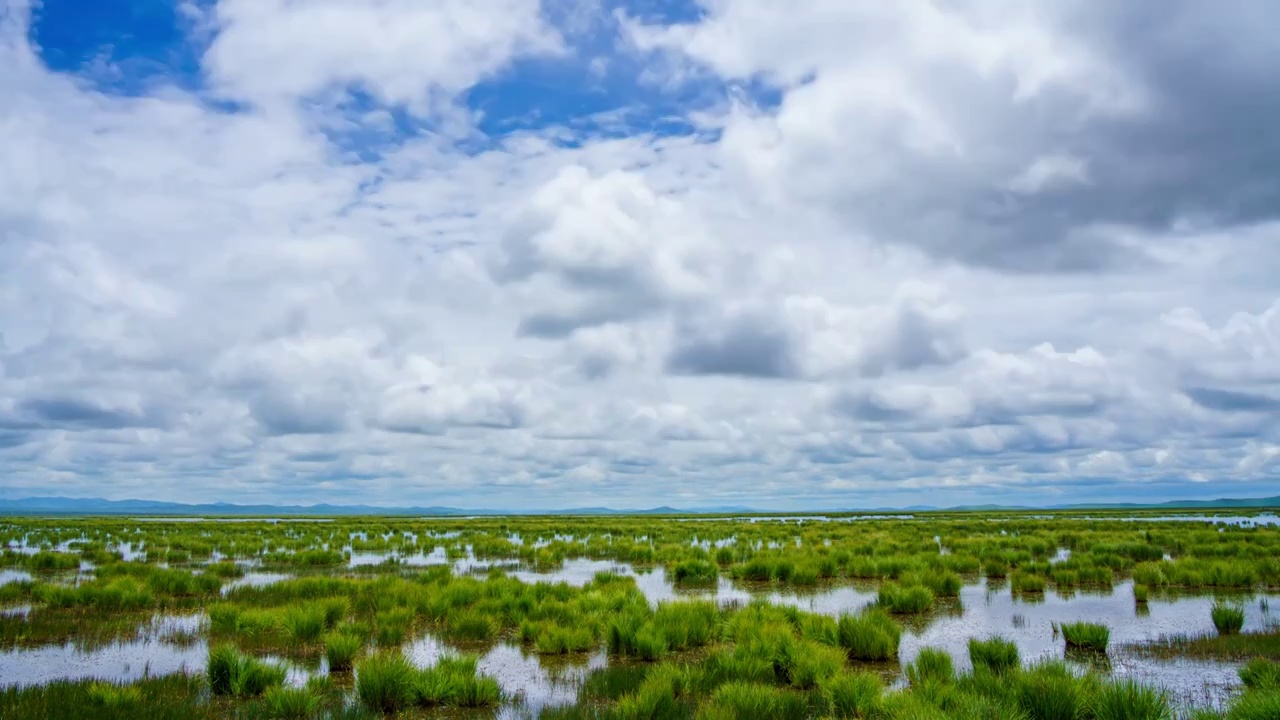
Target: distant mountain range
x,y
99,506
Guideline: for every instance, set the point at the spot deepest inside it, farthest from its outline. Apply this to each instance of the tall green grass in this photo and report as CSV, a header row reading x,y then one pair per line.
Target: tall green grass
x,y
905,600
931,666
1050,691
1086,636
1261,674
998,655
231,673
341,649
1228,619
386,682
1127,699
284,703
871,635
747,701
694,572
453,681
851,695
1255,705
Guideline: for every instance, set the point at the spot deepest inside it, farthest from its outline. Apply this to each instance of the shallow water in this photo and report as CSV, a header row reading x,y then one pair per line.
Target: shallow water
x,y
1236,520
10,576
254,579
984,611
191,519
169,644
533,682
795,518
164,645
1029,624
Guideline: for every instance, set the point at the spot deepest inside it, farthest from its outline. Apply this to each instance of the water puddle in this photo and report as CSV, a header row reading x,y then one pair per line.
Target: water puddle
x,y
1264,519
534,682
12,576
163,646
254,579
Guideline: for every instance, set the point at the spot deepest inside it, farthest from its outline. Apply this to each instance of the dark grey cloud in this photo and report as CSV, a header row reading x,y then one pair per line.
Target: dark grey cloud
x,y
746,345
68,412
1142,118
1232,400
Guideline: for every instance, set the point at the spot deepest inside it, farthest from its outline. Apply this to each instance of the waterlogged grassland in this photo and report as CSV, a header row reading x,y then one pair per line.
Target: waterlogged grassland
x,y
941,615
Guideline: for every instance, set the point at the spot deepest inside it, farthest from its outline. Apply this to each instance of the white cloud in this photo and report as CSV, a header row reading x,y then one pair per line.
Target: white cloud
x,y
401,52
962,249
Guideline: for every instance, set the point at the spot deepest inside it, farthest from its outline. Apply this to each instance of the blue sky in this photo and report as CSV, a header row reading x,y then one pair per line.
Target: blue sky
x,y
558,253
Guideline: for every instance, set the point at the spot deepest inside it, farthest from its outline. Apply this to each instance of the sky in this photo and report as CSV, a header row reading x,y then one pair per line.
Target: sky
x,y
519,254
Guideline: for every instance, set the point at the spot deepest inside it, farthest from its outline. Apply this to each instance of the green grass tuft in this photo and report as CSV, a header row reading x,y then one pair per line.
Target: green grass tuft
x,y
291,703
1256,705
1228,619
998,655
1261,674
851,695
1128,699
341,649
931,666
1086,636
872,635
231,673
385,682
908,600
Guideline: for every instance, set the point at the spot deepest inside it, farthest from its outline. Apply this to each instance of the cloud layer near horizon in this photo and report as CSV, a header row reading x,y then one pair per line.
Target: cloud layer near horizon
x,y
519,254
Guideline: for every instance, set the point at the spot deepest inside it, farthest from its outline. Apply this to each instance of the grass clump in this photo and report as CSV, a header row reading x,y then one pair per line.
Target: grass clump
x,y
748,701
1128,699
850,695
872,635
287,703
453,681
473,625
1049,691
1026,583
908,600
172,697
1086,636
341,650
998,655
232,674
386,682
694,572
1228,619
809,664
304,623
393,626
931,666
1256,705
944,584
110,695
1261,674
1141,593
555,639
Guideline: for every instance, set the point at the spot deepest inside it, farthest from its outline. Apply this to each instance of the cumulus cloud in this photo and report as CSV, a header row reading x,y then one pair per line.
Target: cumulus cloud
x,y
1014,136
809,337
834,254
403,53
595,249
